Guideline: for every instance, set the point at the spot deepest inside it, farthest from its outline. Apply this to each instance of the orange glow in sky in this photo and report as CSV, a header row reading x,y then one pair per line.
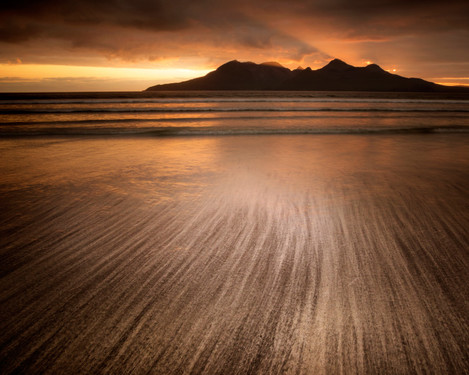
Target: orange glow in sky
x,y
133,44
84,78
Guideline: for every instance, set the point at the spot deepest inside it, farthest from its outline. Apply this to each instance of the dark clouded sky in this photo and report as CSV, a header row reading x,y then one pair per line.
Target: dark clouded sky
x,y
130,44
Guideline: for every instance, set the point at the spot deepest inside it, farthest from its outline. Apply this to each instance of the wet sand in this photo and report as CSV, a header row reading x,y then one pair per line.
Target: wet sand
x,y
235,255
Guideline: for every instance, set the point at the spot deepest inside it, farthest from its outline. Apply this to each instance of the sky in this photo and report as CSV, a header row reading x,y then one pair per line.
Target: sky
x,y
125,45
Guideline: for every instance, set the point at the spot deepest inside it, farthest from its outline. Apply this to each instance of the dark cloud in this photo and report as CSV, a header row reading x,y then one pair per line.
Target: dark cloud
x,y
143,29
33,18
216,30
12,31
110,27
375,18
157,15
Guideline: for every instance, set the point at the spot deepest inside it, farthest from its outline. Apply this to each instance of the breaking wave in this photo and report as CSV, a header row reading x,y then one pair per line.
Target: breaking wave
x,y
220,131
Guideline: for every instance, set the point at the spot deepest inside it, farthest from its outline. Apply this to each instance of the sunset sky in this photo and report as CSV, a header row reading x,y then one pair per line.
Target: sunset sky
x,y
81,45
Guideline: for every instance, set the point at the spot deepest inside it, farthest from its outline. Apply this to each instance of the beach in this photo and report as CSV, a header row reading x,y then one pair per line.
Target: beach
x,y
247,254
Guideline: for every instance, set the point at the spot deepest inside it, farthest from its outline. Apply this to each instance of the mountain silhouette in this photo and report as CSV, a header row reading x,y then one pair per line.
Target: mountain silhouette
x,y
335,76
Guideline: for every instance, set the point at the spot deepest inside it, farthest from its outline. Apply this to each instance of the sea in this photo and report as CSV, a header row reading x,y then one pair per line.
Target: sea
x,y
234,233
230,113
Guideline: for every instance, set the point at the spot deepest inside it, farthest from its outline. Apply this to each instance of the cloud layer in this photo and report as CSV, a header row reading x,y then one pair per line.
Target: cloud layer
x,y
210,32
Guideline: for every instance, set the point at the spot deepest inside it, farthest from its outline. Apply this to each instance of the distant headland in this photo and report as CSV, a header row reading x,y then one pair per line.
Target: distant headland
x,y
335,76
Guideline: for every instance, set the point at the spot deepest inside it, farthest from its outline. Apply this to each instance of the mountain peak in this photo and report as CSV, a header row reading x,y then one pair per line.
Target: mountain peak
x,y
374,68
234,66
337,65
272,63
335,76
337,62
229,63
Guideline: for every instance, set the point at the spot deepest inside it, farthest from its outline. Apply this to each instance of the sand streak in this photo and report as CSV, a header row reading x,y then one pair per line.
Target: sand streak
x,y
235,255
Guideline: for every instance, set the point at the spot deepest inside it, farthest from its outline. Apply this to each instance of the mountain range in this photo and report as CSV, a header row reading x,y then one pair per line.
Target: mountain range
x,y
335,76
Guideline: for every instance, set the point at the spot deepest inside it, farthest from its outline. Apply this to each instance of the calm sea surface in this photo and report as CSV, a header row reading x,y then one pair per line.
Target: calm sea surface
x,y
330,235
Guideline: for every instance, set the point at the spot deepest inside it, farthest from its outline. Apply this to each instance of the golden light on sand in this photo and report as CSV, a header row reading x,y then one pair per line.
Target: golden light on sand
x,y
175,250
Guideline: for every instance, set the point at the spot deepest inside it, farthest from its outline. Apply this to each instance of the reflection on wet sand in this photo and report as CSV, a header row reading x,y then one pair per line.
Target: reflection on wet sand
x,y
274,254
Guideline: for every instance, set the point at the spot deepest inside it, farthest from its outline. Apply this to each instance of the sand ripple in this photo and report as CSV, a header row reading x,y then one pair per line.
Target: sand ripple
x,y
264,270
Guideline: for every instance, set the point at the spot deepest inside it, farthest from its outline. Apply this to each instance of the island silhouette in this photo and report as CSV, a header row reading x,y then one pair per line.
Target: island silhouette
x,y
335,76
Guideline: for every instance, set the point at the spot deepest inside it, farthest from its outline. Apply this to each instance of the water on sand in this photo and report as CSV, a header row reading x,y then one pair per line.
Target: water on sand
x,y
251,254
228,113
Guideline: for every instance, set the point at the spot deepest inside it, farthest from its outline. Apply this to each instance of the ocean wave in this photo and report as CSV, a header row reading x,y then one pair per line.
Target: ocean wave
x,y
222,131
230,100
140,120
14,111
